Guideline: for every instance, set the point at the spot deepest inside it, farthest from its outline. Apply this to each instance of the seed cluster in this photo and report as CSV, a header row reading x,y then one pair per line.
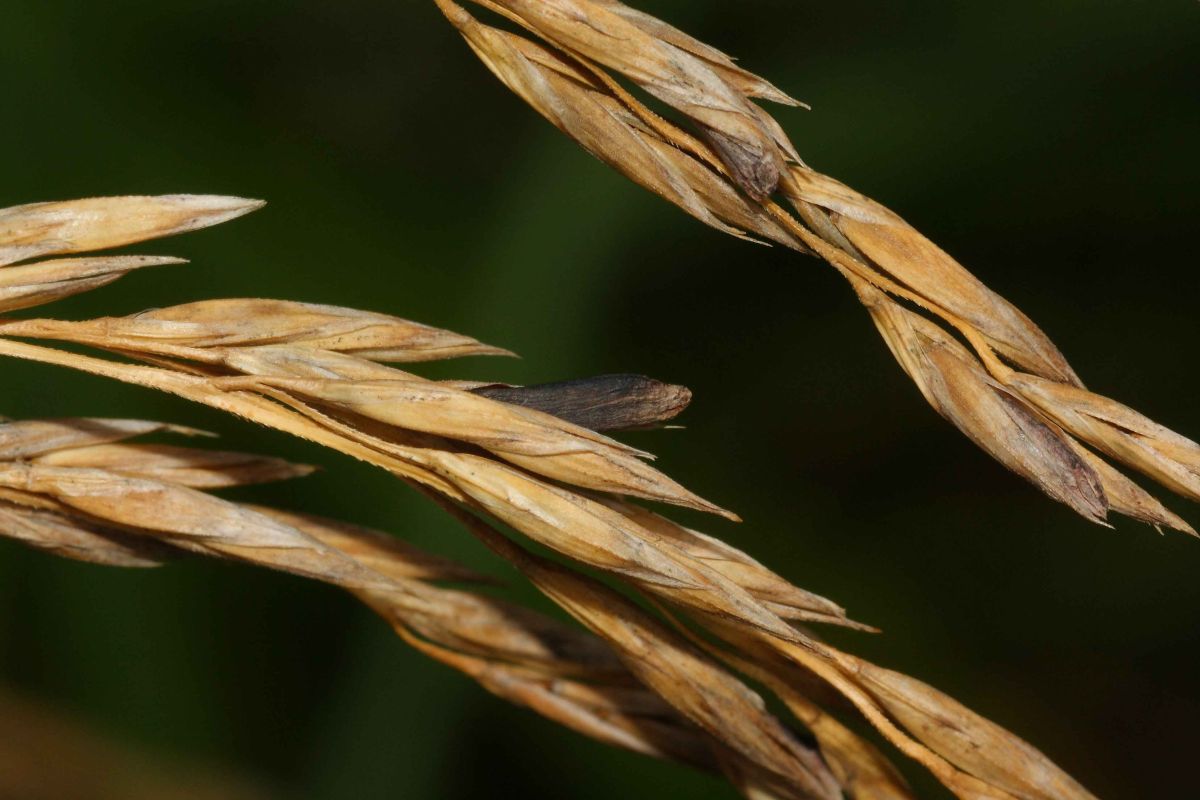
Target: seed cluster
x,y
1011,391
498,459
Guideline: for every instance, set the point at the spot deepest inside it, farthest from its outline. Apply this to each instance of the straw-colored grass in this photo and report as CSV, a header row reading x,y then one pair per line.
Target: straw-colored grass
x,y
502,462
666,677
1009,390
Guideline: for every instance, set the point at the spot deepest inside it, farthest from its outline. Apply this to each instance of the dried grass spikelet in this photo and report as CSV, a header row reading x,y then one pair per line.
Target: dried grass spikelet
x,y
704,86
42,229
991,415
32,438
213,470
594,114
906,255
563,77
101,444
1030,424
74,538
528,438
1119,432
776,593
78,226
216,325
35,284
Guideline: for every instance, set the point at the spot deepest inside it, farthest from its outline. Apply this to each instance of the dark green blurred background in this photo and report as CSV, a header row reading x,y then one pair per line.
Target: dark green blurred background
x,y
1050,146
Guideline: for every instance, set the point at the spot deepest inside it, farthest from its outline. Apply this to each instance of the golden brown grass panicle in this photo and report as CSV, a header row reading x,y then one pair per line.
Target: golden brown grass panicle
x,y
1012,393
512,464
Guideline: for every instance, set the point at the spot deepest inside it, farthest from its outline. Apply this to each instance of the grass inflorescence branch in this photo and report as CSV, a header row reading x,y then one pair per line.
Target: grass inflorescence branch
x,y
517,466
977,359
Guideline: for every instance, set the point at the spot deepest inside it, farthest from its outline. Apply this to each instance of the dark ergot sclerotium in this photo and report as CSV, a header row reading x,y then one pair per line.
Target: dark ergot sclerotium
x,y
602,403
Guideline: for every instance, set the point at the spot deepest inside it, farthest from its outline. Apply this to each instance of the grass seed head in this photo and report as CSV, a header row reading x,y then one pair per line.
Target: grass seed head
x,y
563,76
